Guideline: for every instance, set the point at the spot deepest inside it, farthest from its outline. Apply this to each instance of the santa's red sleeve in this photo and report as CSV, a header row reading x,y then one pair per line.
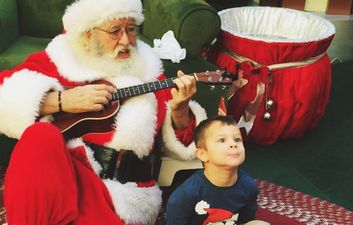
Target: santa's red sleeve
x,y
22,90
178,143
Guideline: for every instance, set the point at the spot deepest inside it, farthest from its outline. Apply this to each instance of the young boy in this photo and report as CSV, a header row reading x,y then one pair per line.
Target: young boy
x,y
221,193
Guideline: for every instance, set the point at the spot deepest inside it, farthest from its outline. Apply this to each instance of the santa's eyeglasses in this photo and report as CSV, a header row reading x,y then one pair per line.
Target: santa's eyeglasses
x,y
117,32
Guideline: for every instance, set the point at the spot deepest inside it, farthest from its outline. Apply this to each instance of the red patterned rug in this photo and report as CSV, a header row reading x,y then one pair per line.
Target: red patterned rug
x,y
278,205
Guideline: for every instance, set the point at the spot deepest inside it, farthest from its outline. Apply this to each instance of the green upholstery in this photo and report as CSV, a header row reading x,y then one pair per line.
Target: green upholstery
x,y
9,28
41,18
20,49
27,26
194,22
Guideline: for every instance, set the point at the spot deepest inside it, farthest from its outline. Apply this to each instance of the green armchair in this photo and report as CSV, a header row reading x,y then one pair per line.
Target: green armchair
x,y
27,26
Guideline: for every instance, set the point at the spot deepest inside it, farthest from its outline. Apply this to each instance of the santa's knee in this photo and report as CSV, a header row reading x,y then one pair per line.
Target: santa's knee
x,y
41,131
41,139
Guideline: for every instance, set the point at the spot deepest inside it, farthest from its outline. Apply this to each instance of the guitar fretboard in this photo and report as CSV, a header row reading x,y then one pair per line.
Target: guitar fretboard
x,y
143,88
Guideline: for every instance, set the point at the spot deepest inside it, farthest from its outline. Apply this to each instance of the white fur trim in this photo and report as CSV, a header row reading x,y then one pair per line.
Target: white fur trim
x,y
77,142
172,146
272,24
152,65
20,99
135,205
147,66
83,15
67,63
136,120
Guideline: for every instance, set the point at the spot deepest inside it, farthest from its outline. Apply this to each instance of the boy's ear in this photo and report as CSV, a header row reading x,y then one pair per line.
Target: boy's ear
x,y
201,154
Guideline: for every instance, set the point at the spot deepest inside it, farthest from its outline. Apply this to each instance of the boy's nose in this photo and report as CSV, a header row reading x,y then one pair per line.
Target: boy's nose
x,y
233,144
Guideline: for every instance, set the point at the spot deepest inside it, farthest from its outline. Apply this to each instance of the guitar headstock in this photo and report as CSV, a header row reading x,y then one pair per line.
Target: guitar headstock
x,y
215,77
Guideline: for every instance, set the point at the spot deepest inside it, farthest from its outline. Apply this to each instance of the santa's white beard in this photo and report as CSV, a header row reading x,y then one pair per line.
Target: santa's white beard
x,y
108,63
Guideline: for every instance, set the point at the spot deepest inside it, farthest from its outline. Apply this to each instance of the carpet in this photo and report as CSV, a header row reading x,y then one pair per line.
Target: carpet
x,y
278,205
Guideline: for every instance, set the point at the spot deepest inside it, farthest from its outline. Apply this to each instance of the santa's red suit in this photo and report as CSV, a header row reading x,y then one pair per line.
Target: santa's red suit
x,y
50,181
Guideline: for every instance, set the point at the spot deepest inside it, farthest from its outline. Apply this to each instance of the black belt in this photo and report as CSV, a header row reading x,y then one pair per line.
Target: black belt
x,y
124,165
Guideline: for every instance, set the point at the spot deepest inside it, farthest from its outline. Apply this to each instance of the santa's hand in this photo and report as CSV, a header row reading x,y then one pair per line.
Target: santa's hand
x,y
86,98
179,105
186,88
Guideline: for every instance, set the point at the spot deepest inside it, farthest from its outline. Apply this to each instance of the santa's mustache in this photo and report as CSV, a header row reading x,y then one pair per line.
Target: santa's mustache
x,y
120,49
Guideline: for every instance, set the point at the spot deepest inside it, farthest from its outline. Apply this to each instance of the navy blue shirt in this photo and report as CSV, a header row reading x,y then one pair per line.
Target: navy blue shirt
x,y
197,201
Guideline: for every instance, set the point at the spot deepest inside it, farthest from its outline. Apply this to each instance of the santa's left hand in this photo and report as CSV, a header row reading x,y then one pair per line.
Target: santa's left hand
x,y
186,88
179,105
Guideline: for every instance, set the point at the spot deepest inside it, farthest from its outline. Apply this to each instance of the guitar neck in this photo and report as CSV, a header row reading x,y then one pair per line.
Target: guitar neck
x,y
143,88
208,77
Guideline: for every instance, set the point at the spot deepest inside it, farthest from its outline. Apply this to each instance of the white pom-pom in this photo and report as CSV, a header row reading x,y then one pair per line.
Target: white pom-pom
x,y
201,206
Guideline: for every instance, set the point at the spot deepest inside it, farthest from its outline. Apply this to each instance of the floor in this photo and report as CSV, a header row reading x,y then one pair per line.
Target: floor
x,y
342,45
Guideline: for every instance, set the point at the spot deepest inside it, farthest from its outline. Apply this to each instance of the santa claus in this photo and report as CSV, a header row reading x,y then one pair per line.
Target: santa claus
x,y
51,180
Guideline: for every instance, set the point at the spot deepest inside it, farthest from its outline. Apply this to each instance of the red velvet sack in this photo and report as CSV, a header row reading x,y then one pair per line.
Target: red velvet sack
x,y
281,56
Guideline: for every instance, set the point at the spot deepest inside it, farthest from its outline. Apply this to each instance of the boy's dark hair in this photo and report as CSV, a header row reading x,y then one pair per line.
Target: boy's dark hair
x,y
201,128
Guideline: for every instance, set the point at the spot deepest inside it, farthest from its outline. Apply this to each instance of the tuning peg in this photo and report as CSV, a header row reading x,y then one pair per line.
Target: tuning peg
x,y
212,87
224,87
230,75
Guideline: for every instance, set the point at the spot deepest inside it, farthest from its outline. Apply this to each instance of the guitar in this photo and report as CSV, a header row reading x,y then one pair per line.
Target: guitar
x,y
78,124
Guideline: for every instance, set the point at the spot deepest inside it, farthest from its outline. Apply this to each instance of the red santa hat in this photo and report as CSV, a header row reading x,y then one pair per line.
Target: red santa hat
x,y
83,15
214,214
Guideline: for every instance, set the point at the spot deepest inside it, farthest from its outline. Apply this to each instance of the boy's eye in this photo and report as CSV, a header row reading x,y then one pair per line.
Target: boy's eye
x,y
238,140
221,140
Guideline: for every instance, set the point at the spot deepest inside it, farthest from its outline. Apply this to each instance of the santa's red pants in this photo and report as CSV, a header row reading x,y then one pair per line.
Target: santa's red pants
x,y
46,184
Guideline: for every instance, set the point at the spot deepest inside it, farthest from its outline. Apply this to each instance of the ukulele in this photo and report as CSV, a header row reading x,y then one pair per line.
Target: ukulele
x,y
79,124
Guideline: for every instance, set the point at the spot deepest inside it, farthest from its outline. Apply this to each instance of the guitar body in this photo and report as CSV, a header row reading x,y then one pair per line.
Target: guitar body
x,y
78,124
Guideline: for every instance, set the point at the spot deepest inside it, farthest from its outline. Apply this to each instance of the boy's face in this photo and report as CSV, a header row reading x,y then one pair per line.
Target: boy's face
x,y
223,146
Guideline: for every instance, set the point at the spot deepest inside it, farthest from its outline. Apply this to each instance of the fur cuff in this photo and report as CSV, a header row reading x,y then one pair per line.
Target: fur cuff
x,y
172,145
133,204
20,99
